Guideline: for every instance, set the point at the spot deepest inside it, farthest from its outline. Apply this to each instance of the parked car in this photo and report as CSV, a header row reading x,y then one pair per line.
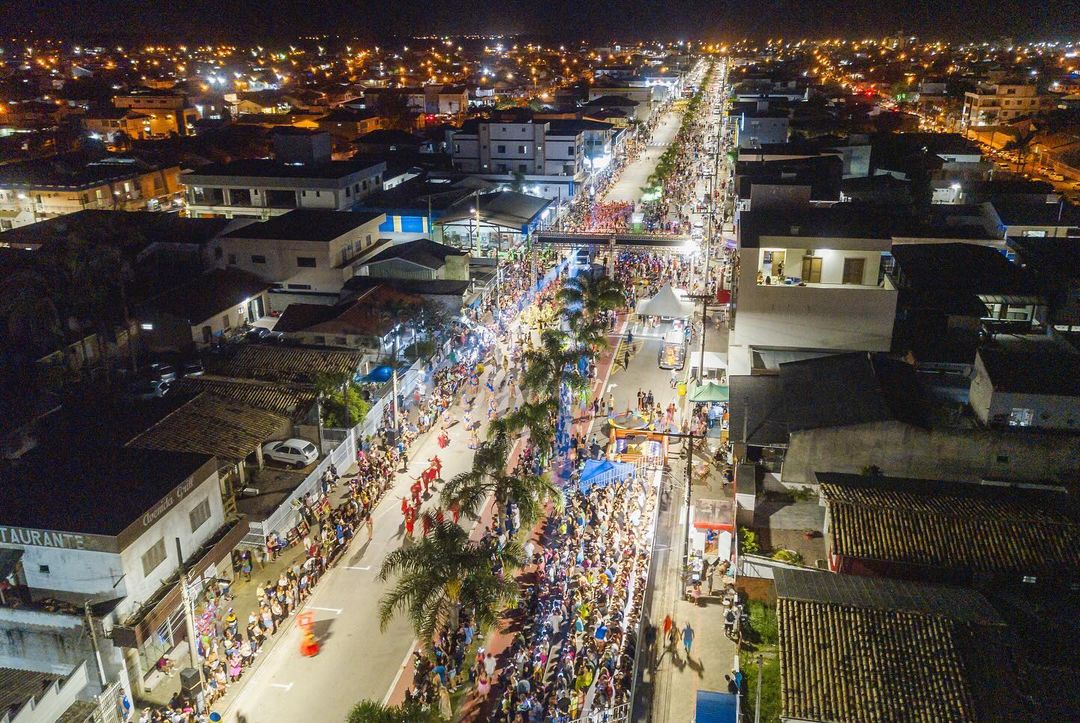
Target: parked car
x,y
150,388
298,453
193,368
258,333
162,372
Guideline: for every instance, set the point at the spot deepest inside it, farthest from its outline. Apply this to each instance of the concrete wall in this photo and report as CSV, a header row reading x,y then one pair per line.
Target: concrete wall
x,y
900,450
173,524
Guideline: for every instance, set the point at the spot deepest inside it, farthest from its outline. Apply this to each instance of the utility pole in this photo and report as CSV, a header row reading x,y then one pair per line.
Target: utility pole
x,y
94,644
189,618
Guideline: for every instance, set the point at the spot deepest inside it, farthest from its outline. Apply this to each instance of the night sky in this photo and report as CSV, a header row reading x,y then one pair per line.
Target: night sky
x,y
569,19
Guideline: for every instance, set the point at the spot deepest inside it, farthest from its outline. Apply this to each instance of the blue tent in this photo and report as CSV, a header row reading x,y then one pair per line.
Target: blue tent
x,y
379,374
713,707
602,472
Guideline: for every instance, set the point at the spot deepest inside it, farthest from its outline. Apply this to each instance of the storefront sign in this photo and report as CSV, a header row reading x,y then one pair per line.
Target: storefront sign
x,y
51,538
166,503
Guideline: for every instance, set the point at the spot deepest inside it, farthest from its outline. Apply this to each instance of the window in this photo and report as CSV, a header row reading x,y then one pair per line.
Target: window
x,y
200,514
500,149
258,259
226,323
300,287
218,253
43,569
1003,459
232,258
348,191
307,262
521,149
571,150
1020,417
153,557
318,193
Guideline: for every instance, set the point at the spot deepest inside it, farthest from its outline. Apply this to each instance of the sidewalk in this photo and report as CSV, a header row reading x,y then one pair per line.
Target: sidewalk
x,y
243,603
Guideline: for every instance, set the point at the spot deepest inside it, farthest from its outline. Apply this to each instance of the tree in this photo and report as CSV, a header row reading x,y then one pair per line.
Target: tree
x,y
444,572
394,107
1021,144
551,365
517,185
371,711
488,476
592,293
343,404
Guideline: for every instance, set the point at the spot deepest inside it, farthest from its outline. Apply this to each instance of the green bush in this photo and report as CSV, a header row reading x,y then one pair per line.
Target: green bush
x,y
770,687
344,408
748,542
370,711
790,556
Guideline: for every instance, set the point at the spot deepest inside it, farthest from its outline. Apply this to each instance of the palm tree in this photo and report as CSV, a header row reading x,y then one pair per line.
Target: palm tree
x,y
538,417
488,477
592,294
372,711
444,572
1022,145
547,367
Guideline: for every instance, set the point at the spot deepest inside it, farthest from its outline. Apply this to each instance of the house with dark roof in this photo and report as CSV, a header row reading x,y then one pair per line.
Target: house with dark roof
x,y
861,650
206,310
1031,382
420,259
261,188
44,188
853,412
811,281
305,251
486,221
367,322
982,533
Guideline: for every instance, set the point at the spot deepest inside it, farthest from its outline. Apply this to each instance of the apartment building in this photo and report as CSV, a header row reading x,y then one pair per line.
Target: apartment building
x,y
262,188
168,113
529,147
1002,102
45,188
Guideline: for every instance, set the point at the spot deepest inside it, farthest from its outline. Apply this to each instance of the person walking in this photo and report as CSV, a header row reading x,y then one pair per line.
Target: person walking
x,y
688,638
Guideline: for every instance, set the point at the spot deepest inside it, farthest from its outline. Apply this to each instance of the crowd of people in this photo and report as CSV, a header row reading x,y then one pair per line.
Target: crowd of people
x,y
581,610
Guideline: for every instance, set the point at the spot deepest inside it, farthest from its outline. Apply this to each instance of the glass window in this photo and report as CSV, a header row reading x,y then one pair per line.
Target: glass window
x,y
153,557
1020,417
257,259
307,262
200,514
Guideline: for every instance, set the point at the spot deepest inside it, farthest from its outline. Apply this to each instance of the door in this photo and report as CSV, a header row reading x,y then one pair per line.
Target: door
x,y
853,270
811,269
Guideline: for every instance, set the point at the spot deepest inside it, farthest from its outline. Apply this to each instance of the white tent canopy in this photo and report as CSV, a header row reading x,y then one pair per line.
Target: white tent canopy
x,y
665,303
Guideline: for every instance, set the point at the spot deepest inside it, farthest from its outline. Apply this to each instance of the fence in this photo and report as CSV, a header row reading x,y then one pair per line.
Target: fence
x,y
287,514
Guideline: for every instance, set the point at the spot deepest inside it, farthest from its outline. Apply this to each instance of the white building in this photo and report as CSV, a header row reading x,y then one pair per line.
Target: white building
x,y
90,537
1002,102
261,188
535,149
810,281
303,251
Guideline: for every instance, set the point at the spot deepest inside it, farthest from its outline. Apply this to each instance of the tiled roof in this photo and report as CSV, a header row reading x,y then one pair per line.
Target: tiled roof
x,y
854,657
288,400
957,525
288,365
210,424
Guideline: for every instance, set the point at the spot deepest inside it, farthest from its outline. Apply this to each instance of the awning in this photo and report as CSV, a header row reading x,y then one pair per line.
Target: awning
x,y
713,360
666,303
379,374
602,472
711,392
714,707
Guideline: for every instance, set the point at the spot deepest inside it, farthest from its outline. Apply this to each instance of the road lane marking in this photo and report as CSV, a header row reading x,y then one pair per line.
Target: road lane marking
x,y
282,685
336,611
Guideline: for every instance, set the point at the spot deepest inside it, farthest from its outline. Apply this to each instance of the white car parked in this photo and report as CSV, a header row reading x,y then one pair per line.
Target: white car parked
x,y
298,453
